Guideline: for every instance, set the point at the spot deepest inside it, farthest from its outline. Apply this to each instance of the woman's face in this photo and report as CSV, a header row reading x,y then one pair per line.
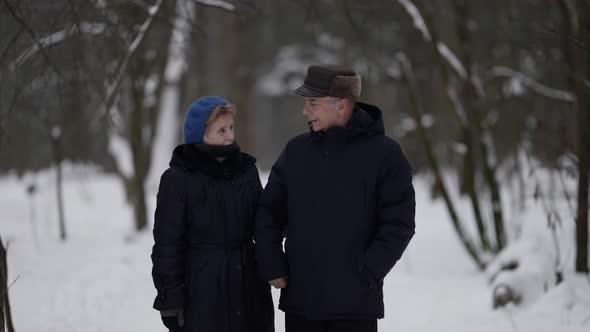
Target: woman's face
x,y
221,131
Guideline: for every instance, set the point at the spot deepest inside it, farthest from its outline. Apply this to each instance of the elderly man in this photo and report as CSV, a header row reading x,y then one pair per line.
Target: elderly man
x,y
343,196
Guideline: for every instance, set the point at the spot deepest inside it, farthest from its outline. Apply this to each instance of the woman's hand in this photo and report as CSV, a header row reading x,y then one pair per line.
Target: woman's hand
x,y
173,319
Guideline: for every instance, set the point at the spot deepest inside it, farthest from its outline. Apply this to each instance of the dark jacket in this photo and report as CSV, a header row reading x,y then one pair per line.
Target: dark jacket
x,y
345,201
203,256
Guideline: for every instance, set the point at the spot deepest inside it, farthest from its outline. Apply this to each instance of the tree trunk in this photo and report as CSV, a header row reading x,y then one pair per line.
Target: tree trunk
x,y
56,139
5,313
470,94
3,286
583,119
142,119
136,123
469,179
494,186
576,26
583,183
139,205
60,200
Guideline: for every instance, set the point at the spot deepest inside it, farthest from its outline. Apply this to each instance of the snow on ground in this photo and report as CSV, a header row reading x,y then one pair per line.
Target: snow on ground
x,y
99,279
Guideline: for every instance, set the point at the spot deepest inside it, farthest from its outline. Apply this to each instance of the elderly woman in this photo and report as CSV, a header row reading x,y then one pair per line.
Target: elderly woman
x,y
203,263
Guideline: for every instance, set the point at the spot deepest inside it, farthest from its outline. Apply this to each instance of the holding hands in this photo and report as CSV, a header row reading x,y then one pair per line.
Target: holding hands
x,y
279,282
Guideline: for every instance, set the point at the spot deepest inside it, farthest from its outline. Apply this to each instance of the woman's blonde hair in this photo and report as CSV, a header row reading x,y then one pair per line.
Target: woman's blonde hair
x,y
219,111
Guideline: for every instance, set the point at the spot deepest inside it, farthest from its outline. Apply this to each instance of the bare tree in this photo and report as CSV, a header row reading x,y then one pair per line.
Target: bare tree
x,y
477,140
575,36
57,155
138,106
581,74
467,118
5,313
43,117
138,103
417,112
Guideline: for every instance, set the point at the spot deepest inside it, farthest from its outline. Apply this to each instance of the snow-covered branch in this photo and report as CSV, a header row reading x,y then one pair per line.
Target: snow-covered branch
x,y
26,26
416,17
452,59
114,87
54,38
445,52
121,152
395,73
457,106
539,88
217,3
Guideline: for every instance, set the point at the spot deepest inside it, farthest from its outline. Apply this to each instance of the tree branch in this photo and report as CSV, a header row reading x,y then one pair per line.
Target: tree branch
x,y
114,87
500,71
33,35
217,4
54,38
12,41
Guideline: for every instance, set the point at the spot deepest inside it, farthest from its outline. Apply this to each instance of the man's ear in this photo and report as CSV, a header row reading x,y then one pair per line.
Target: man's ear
x,y
345,104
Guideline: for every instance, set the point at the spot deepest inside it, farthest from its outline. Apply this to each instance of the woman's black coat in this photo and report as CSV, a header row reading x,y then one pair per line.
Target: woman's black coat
x,y
203,256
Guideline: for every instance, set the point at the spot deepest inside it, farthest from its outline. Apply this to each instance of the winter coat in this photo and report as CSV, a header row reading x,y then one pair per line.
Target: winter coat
x,y
345,200
203,256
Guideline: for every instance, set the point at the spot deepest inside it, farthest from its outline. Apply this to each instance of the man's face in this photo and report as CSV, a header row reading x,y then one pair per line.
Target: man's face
x,y
322,113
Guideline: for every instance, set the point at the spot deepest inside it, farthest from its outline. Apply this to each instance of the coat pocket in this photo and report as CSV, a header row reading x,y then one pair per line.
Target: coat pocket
x,y
193,270
366,277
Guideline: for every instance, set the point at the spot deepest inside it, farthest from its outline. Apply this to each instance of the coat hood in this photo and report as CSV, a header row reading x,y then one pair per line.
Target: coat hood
x,y
366,120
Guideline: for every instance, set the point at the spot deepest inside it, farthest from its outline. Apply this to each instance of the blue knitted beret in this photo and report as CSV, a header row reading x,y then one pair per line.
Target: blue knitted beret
x,y
196,118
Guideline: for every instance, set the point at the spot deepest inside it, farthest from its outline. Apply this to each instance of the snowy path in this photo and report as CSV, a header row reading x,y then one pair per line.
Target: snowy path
x,y
99,280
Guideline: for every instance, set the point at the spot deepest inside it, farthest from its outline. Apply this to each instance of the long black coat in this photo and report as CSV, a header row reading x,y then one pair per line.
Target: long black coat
x,y
346,202
203,256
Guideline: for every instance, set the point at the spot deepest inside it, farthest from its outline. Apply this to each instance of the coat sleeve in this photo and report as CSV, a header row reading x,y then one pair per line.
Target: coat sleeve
x,y
169,242
395,226
271,219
